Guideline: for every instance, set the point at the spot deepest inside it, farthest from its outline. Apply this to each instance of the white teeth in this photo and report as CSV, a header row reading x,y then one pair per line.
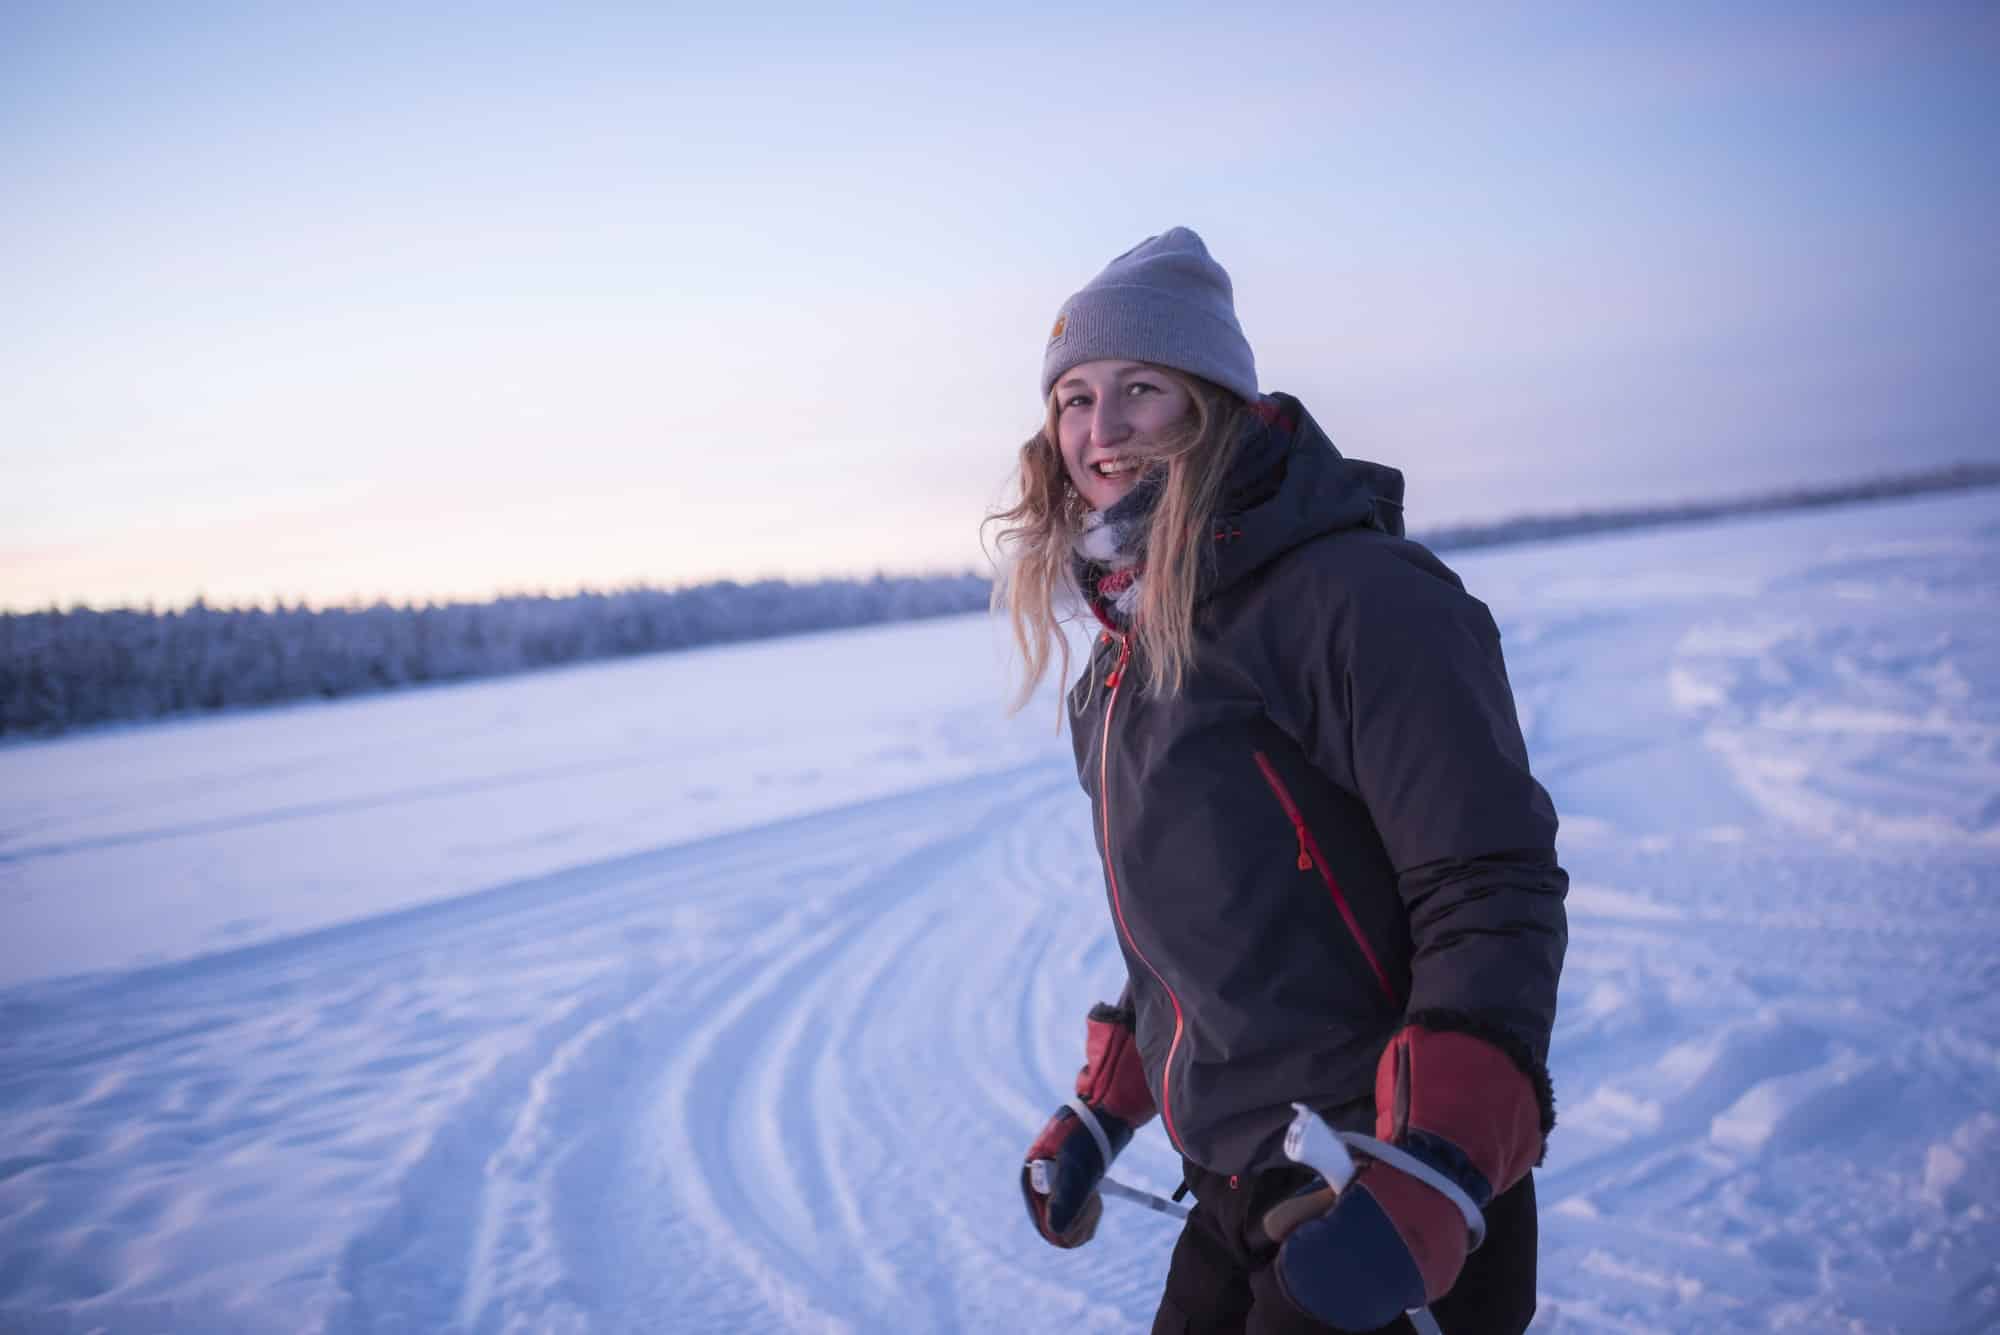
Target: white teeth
x,y
1113,467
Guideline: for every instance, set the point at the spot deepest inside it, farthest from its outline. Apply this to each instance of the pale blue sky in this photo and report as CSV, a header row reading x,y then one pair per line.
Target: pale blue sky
x,y
346,301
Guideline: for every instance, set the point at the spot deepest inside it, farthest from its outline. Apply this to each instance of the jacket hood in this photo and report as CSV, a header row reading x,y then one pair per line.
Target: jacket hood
x,y
1321,491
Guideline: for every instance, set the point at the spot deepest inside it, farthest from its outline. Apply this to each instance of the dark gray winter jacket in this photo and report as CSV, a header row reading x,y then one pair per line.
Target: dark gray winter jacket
x,y
1330,827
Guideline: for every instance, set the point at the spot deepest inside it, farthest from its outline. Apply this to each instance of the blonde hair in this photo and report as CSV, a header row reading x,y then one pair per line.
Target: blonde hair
x,y
1037,580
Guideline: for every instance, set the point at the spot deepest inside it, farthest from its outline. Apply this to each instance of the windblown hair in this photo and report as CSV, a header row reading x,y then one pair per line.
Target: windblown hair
x,y
1037,534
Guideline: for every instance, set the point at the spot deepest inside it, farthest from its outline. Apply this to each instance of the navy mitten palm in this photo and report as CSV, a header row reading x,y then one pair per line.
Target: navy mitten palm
x,y
1060,1179
1075,1149
1469,1124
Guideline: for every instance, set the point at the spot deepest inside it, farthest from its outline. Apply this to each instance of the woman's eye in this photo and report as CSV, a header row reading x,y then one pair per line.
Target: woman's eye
x,y
1075,400
1137,385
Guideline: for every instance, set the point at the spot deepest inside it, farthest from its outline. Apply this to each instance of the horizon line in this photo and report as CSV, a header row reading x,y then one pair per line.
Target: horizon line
x,y
1964,473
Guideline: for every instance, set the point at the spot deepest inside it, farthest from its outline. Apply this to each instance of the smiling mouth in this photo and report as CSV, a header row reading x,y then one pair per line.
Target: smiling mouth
x,y
1113,468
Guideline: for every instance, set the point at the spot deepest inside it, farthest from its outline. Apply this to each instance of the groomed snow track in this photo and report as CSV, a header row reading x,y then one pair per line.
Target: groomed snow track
x,y
780,1078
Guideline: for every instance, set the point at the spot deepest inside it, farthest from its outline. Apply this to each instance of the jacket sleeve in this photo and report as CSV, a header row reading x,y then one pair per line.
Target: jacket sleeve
x,y
1406,704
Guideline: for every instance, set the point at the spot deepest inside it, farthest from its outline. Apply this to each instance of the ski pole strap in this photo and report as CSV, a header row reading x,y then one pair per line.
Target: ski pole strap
x,y
1092,1125
1405,1162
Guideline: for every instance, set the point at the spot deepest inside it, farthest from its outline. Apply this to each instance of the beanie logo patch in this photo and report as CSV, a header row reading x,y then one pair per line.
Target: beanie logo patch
x,y
1056,333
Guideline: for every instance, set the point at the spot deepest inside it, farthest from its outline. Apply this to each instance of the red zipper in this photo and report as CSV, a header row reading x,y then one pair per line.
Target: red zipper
x,y
1309,857
1111,681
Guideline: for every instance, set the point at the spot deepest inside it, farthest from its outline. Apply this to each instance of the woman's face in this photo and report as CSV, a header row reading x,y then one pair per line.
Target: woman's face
x,y
1110,418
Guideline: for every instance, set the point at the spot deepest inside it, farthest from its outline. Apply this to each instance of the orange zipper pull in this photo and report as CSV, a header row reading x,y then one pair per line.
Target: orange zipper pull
x,y
1305,858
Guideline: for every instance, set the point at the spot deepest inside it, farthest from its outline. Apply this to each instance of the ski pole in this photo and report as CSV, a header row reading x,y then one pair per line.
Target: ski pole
x,y
1038,1178
1113,1187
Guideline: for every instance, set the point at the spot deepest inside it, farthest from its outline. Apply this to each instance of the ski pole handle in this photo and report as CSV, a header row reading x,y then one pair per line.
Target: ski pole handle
x,y
1311,1142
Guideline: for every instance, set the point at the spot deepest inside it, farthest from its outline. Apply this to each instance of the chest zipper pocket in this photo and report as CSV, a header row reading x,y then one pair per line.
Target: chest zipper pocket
x,y
1310,858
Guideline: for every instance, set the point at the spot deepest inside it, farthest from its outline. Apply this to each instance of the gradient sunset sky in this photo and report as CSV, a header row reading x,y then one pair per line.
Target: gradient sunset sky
x,y
365,300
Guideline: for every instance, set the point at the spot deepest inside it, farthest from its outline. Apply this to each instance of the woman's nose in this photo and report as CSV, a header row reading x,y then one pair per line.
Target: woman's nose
x,y
1107,424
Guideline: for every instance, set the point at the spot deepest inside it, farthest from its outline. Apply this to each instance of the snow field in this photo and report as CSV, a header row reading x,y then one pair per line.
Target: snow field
x,y
722,990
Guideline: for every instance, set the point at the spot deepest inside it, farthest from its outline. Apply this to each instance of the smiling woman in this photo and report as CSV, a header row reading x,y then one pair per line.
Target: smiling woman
x,y
1143,431
1331,873
1115,430
1114,418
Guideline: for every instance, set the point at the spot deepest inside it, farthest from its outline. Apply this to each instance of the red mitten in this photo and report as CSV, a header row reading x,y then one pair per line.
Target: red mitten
x,y
1465,1111
1075,1149
1112,1078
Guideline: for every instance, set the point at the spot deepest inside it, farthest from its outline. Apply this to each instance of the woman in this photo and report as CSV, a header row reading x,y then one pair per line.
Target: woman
x,y
1332,875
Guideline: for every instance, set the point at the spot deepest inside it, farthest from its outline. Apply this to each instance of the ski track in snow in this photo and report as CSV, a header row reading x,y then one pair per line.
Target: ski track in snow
x,y
778,1075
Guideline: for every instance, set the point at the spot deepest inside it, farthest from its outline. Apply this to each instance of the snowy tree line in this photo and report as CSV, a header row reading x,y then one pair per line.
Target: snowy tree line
x,y
63,669
1540,528
66,669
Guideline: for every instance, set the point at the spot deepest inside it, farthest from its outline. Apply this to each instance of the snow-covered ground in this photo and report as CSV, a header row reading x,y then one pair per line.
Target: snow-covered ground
x,y
721,991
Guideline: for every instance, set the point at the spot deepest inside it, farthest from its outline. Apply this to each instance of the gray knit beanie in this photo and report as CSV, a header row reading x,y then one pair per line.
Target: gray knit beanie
x,y
1163,301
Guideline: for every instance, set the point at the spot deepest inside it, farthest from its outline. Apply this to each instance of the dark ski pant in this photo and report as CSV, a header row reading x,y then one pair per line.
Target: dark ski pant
x,y
1218,1284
